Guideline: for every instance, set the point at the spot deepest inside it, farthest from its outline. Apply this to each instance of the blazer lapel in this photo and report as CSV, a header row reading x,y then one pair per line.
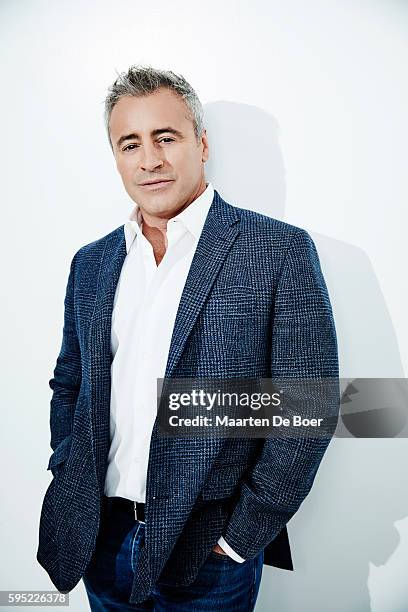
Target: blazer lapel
x,y
100,347
217,237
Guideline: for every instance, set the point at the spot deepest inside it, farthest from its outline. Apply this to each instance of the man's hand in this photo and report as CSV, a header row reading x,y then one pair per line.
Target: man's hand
x,y
217,548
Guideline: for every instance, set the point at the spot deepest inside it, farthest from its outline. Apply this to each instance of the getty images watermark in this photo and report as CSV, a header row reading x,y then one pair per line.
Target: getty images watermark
x,y
266,407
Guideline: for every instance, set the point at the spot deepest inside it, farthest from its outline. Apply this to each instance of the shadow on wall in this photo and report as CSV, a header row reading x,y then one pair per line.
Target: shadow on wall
x,y
347,521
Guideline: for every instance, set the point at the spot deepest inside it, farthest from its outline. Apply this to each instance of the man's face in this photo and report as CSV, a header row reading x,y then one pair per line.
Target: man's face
x,y
153,139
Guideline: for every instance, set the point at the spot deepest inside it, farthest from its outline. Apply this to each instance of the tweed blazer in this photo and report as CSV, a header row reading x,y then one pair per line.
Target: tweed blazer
x,y
255,304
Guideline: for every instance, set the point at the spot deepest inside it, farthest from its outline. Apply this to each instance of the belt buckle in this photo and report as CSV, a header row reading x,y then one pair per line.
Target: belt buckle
x,y
135,509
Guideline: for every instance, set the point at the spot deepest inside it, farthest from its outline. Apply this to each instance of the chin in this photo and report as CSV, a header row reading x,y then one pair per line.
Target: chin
x,y
156,205
158,201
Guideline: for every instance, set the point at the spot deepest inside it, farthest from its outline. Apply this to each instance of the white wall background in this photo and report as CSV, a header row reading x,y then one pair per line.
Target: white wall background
x,y
306,108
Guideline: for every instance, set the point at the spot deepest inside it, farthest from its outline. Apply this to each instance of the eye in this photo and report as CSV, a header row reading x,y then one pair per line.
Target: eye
x,y
167,139
128,147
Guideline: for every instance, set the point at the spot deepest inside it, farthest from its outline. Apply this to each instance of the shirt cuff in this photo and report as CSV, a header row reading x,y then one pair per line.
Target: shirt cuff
x,y
230,552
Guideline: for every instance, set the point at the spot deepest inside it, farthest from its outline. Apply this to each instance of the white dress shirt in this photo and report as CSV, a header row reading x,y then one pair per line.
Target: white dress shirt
x,y
145,307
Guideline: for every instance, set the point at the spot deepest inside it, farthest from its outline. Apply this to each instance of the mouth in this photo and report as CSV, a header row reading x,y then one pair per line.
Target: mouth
x,y
155,185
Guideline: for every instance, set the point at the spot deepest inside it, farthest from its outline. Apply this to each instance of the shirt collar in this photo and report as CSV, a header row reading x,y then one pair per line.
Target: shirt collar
x,y
193,217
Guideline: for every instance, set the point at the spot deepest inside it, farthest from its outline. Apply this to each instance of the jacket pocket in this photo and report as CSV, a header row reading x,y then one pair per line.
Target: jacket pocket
x,y
222,481
231,302
60,454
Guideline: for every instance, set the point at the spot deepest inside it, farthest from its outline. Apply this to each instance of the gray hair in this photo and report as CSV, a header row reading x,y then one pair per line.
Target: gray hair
x,y
143,80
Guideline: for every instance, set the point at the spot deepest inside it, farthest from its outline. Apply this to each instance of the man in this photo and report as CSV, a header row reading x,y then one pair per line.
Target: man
x,y
190,286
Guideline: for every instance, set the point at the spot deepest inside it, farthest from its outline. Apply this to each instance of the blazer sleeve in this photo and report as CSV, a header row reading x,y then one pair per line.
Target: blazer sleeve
x,y
304,345
66,380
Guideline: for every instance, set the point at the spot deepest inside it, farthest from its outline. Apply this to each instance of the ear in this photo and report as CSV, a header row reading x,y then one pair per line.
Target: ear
x,y
204,142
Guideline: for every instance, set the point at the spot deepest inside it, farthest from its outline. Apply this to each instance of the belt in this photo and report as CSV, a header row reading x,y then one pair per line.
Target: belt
x,y
128,505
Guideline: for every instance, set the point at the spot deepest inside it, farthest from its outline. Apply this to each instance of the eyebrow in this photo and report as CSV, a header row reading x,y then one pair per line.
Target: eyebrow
x,y
156,132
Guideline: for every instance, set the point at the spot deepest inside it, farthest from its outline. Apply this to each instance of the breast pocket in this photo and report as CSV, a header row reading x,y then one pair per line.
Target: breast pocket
x,y
231,302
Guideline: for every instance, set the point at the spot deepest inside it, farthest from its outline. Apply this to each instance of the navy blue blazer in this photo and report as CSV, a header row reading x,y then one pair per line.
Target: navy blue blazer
x,y
254,304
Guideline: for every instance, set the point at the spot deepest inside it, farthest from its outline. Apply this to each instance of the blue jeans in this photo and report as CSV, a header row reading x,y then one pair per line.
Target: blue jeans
x,y
221,584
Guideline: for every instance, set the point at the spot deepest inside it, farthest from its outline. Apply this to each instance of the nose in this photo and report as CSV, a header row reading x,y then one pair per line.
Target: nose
x,y
151,158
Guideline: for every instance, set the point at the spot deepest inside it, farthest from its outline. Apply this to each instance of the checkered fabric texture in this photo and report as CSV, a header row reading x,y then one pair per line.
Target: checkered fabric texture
x,y
255,304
